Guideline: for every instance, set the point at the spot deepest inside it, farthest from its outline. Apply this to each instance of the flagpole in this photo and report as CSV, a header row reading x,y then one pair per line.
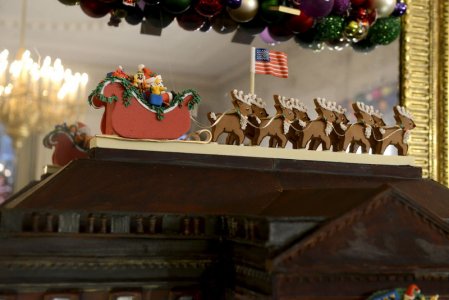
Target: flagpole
x,y
252,71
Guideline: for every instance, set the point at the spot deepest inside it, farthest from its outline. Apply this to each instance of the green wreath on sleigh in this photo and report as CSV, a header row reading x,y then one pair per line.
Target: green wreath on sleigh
x,y
131,91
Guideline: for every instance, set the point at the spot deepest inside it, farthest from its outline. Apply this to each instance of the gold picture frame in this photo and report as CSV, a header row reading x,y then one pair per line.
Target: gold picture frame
x,y
424,83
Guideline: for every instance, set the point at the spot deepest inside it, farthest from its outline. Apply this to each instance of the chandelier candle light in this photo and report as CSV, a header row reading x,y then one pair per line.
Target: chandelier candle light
x,y
35,96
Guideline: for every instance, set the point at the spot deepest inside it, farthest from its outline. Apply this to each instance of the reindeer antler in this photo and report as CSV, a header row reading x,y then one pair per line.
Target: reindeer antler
x,y
376,113
284,102
402,111
296,103
321,102
363,107
340,109
258,102
238,95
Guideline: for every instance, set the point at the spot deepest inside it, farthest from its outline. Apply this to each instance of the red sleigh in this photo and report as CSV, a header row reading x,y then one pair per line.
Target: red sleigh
x,y
66,147
131,118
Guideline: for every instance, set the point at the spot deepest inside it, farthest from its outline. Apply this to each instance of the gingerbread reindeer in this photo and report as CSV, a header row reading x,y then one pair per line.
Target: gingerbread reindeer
x,y
340,126
318,131
359,134
277,126
258,113
234,122
396,135
302,118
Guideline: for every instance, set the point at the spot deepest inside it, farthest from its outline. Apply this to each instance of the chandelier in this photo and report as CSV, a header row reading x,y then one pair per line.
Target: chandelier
x,y
35,95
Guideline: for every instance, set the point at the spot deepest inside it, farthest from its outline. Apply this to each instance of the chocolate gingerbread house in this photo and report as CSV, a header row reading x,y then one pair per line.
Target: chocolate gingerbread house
x,y
132,225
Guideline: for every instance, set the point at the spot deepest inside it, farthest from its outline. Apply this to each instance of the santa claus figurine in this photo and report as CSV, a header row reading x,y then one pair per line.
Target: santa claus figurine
x,y
412,292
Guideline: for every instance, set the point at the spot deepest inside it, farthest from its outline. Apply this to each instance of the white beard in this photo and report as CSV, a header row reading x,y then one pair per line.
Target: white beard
x,y
343,126
328,129
382,131
406,137
302,123
286,126
368,131
258,120
243,122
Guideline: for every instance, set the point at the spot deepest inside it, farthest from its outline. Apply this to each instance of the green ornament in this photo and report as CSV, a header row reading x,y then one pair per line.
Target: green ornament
x,y
69,2
268,15
330,28
176,6
363,46
385,31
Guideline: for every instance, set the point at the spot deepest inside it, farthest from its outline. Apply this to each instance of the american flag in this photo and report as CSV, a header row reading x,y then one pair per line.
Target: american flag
x,y
269,62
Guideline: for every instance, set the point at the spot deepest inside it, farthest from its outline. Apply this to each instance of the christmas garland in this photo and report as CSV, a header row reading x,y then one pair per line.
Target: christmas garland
x,y
131,91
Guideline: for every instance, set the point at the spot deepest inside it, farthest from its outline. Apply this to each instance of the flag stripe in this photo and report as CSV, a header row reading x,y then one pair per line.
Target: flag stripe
x,y
271,62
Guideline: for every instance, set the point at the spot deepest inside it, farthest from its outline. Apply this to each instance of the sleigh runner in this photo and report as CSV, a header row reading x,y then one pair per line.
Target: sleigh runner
x,y
129,114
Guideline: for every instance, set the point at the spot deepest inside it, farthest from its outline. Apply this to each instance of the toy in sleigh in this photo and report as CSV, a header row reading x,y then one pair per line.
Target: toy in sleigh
x,y
139,107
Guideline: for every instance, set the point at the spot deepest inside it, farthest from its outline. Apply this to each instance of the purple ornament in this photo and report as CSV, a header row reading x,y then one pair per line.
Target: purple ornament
x,y
267,38
400,9
341,6
233,3
316,8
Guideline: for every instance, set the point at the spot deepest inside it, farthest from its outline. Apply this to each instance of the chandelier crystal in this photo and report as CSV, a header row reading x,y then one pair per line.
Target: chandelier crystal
x,y
35,96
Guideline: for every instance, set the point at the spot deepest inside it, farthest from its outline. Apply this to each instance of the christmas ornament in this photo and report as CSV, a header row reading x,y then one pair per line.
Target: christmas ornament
x,y
255,26
364,14
134,15
233,3
267,38
152,2
400,9
358,2
190,20
246,12
129,2
224,24
329,28
280,33
176,7
337,45
116,17
341,7
301,23
209,8
157,17
94,9
385,30
384,8
363,46
268,15
206,26
355,31
69,2
316,8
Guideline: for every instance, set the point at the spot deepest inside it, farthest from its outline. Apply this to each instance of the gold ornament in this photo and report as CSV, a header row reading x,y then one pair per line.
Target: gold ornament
x,y
246,12
356,31
384,8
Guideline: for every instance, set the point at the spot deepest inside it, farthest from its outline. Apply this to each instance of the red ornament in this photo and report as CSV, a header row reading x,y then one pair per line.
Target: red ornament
x,y
365,15
190,20
358,2
299,24
209,8
280,33
94,8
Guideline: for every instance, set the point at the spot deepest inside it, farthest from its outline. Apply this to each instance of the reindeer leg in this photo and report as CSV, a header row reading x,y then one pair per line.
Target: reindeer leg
x,y
240,137
402,149
216,132
383,146
314,144
258,138
365,146
230,139
326,142
283,140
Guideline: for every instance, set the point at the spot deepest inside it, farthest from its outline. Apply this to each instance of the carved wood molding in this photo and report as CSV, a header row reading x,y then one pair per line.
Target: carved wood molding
x,y
348,219
424,83
104,264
